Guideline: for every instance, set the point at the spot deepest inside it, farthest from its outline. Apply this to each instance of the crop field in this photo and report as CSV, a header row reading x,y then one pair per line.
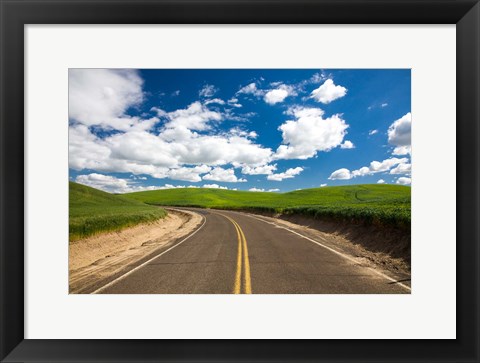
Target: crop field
x,y
368,204
92,211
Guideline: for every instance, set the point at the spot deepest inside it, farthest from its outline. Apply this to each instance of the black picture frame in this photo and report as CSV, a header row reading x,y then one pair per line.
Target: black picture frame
x,y
15,14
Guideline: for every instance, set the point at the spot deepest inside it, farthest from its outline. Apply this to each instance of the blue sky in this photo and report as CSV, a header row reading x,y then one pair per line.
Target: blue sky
x,y
245,129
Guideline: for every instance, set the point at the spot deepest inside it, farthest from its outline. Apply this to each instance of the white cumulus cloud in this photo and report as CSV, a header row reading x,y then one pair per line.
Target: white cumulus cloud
x,y
404,181
274,96
170,186
223,175
328,92
101,97
217,101
340,174
347,144
195,117
309,133
188,174
402,150
279,94
373,168
214,186
251,89
289,173
403,168
378,166
400,131
263,190
186,143
112,184
104,182
207,91
259,170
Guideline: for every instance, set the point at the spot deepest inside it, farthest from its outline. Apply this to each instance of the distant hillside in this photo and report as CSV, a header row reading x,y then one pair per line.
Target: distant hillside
x,y
371,204
92,211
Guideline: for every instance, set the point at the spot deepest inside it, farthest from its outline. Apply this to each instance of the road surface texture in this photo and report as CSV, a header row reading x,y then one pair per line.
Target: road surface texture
x,y
240,253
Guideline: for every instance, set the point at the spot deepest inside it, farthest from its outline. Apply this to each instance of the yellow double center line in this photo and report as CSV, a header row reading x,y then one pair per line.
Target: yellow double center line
x,y
242,252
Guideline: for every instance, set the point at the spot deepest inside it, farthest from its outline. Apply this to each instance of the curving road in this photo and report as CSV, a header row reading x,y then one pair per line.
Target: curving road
x,y
234,252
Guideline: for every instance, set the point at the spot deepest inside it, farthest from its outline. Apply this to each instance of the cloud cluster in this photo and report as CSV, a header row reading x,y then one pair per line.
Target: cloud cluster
x,y
277,92
192,143
234,102
377,166
373,168
326,93
196,117
181,144
271,96
113,184
105,182
163,155
399,135
103,96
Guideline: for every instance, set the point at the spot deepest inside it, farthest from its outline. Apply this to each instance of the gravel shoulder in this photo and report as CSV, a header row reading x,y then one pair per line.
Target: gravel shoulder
x,y
102,257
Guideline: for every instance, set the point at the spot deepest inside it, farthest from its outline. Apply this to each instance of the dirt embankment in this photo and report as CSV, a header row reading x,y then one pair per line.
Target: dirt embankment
x,y
383,246
98,258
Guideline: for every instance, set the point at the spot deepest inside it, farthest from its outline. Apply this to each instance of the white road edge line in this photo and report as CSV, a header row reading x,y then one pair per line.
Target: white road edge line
x,y
147,262
332,250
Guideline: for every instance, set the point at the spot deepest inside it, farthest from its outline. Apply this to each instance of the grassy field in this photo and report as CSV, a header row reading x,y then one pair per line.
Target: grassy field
x,y
369,204
93,211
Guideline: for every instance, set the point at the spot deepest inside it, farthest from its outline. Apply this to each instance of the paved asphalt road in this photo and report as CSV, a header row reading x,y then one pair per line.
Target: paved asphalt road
x,y
239,253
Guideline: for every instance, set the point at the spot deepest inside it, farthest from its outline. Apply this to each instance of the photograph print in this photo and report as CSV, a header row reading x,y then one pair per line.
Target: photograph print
x,y
239,181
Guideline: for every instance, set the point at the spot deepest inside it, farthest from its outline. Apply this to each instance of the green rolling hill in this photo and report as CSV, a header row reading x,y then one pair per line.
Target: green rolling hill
x,y
92,211
369,204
